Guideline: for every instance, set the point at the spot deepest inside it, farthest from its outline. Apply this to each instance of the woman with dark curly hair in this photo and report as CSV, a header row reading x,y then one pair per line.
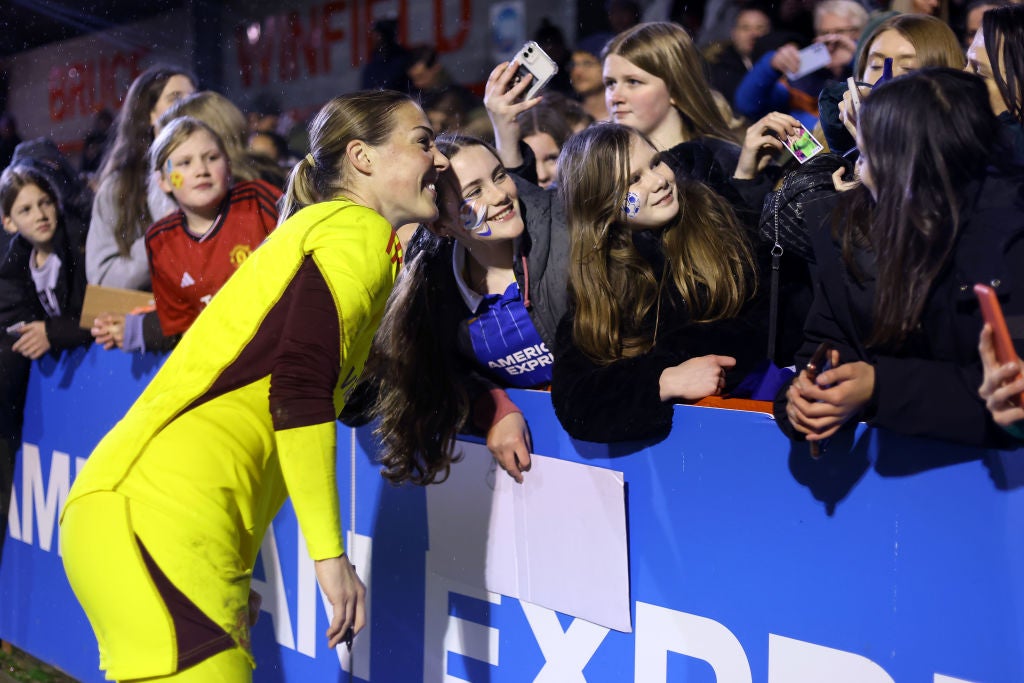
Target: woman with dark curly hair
x,y
474,312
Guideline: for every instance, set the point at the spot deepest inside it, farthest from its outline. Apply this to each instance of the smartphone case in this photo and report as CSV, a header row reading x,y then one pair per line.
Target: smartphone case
x,y
992,312
534,61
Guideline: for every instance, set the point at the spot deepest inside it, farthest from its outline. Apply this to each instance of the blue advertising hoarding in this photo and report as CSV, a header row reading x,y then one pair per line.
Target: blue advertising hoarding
x,y
889,559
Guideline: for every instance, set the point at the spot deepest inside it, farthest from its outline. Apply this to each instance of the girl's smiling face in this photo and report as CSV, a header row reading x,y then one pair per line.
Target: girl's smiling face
x,y
651,200
33,216
406,168
490,199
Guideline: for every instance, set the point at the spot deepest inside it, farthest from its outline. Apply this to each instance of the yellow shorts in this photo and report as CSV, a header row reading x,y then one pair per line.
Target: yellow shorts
x,y
125,601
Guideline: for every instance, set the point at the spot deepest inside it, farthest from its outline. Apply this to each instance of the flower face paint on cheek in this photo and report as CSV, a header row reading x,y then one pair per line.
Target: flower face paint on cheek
x,y
474,219
631,205
174,177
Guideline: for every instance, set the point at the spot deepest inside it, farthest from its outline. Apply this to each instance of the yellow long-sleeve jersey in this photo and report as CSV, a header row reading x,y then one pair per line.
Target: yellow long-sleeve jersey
x,y
242,414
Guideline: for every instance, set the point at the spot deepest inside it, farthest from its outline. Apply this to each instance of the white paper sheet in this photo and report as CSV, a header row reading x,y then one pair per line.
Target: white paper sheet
x,y
558,540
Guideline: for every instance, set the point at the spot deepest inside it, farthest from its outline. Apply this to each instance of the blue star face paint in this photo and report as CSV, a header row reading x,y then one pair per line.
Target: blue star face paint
x,y
474,219
631,205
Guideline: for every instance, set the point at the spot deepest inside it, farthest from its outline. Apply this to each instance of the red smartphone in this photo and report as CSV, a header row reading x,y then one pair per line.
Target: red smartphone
x,y
993,314
819,362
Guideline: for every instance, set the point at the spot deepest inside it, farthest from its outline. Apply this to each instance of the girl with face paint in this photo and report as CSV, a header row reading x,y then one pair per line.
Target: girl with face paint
x,y
196,248
661,291
474,311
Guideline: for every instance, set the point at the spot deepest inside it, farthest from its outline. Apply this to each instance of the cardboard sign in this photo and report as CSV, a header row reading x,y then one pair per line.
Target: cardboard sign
x,y
100,299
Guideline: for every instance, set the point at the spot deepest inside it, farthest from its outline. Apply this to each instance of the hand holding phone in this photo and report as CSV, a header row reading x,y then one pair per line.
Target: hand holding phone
x,y
821,409
851,84
821,361
992,312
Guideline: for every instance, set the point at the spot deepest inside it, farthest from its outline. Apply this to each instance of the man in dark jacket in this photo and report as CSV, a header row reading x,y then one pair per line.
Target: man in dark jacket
x,y
729,61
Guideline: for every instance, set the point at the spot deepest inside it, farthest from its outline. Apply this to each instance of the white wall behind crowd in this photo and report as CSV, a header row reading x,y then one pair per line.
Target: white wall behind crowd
x,y
303,52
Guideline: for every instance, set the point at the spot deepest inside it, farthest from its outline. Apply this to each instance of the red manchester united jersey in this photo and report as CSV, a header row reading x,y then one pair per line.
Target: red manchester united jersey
x,y
188,269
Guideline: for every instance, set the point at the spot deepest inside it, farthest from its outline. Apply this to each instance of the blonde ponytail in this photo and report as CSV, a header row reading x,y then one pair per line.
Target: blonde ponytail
x,y
367,115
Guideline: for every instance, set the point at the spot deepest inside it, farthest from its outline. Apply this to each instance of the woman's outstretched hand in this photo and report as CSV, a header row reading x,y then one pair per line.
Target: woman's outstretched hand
x,y
510,444
503,104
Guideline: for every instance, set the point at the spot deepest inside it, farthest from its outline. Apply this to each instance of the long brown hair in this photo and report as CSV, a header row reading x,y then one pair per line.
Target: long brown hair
x,y
421,402
666,50
934,42
422,399
126,163
613,287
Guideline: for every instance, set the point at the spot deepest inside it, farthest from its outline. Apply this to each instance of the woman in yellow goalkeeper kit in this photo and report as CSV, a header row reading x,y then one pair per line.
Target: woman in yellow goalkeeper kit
x,y
162,526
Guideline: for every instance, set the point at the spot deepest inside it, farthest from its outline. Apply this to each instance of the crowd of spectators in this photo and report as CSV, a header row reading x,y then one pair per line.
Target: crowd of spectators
x,y
788,202
638,255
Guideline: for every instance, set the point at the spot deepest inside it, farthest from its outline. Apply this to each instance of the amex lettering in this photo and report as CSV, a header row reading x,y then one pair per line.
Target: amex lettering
x,y
40,505
658,631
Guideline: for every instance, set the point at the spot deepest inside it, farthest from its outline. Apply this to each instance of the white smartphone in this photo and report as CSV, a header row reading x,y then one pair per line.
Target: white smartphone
x,y
854,94
813,57
535,62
